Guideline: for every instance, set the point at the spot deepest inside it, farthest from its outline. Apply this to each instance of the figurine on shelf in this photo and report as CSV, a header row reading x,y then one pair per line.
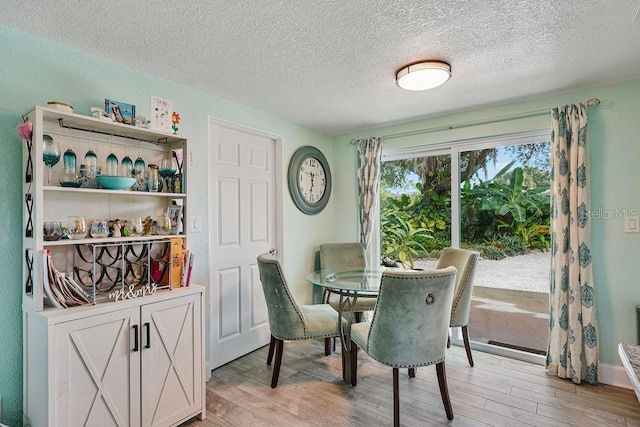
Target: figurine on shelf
x,y
126,230
117,226
175,120
141,122
148,225
99,113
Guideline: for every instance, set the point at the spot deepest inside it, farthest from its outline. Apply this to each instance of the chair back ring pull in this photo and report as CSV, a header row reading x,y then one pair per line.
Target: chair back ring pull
x,y
429,299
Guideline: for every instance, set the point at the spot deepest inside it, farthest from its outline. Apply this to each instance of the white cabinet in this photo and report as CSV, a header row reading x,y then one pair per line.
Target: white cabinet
x,y
133,363
127,362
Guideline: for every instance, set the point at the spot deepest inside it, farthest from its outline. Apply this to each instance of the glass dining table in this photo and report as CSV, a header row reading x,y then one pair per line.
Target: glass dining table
x,y
349,285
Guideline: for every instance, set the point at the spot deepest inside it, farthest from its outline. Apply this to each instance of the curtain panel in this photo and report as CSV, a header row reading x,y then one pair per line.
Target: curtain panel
x,y
369,159
573,337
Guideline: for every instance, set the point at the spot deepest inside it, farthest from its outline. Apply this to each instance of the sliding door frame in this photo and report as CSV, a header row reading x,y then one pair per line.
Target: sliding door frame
x,y
454,148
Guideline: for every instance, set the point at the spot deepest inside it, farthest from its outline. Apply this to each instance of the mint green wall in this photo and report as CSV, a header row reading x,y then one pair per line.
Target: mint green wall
x,y
34,71
614,130
11,267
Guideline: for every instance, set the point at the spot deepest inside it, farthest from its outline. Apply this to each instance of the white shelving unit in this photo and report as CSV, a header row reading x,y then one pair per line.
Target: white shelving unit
x,y
130,362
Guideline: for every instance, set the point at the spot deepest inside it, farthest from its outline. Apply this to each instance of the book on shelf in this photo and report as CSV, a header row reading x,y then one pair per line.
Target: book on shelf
x,y
61,290
48,292
187,266
185,262
176,263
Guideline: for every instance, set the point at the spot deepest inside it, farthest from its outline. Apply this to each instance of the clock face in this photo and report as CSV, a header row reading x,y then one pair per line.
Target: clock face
x,y
312,180
309,180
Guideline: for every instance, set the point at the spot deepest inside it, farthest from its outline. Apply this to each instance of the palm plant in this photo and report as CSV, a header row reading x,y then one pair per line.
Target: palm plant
x,y
401,240
512,198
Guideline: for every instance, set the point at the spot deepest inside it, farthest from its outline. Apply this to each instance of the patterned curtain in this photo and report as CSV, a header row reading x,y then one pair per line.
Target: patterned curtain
x,y
369,155
573,338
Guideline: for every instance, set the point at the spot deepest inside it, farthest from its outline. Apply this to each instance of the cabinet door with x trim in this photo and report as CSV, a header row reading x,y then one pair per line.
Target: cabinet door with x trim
x,y
139,366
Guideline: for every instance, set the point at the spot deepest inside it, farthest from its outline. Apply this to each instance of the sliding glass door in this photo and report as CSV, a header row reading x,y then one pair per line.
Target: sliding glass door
x,y
488,195
415,214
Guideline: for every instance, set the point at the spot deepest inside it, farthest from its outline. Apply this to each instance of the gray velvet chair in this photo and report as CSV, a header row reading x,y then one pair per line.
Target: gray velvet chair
x,y
340,257
288,319
465,261
409,328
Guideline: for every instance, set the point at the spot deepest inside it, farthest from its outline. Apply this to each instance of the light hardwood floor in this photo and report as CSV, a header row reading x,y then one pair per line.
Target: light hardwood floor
x,y
498,391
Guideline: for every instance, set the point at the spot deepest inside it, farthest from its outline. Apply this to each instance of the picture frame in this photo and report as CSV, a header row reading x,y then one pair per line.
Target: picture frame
x,y
161,114
121,111
174,212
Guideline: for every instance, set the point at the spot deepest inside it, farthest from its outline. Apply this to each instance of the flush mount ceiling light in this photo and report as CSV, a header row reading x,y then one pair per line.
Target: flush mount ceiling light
x,y
423,75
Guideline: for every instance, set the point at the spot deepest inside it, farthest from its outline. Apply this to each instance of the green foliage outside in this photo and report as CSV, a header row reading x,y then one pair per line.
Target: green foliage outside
x,y
506,216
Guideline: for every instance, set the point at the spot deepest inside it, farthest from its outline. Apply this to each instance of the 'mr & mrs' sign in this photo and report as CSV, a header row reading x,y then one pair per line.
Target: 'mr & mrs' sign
x,y
132,292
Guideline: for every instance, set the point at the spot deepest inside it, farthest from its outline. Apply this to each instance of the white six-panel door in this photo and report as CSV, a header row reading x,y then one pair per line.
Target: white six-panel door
x,y
243,225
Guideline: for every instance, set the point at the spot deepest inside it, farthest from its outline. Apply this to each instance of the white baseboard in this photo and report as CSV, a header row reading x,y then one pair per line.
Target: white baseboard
x,y
207,370
614,375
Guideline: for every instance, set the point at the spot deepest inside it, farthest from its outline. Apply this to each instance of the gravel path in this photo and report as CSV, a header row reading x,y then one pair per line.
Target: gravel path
x,y
528,272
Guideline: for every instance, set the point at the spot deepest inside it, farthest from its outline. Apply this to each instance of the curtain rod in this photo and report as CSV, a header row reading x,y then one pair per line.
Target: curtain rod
x,y
593,102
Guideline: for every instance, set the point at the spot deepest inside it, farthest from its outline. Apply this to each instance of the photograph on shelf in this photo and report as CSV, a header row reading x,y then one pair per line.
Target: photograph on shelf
x,y
174,212
120,111
161,114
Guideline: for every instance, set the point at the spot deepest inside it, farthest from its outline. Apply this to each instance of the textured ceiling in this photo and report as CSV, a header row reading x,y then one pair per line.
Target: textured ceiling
x,y
329,64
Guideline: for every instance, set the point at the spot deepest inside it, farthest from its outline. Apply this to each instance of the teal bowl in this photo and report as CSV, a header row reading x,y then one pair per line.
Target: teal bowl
x,y
115,182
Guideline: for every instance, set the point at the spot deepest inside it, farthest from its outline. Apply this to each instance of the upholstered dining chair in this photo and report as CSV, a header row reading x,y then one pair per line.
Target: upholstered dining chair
x,y
340,257
288,319
409,328
465,261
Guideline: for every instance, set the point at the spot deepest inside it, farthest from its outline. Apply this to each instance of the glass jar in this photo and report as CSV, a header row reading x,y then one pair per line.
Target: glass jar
x,y
153,180
163,225
52,230
134,226
99,228
77,228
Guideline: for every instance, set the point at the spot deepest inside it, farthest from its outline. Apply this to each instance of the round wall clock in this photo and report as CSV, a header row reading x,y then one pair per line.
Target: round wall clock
x,y
309,180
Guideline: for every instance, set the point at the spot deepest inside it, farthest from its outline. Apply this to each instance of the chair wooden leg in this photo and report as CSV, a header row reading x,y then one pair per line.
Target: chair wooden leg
x,y
272,346
465,337
354,363
448,341
327,346
276,367
344,355
333,344
444,390
412,372
396,399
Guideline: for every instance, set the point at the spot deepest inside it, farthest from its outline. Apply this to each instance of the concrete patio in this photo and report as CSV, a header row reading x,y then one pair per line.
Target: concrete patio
x,y
510,304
